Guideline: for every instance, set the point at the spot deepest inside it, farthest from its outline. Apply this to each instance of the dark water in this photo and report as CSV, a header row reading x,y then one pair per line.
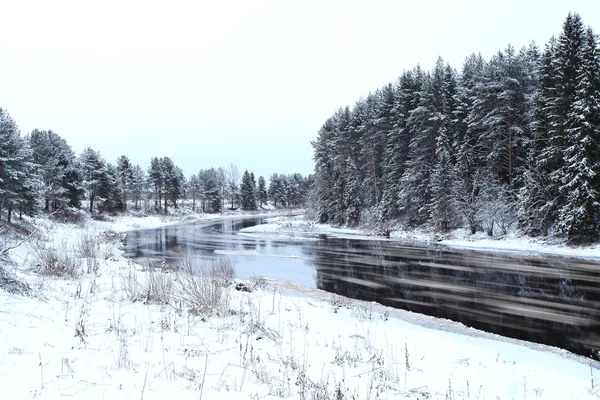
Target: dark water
x,y
550,300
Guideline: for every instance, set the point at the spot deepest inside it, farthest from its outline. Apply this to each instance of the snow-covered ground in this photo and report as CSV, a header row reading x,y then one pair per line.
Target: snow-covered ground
x,y
85,338
300,228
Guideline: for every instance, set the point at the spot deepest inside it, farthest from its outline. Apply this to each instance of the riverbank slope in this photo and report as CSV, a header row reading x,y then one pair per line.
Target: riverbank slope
x,y
96,325
298,226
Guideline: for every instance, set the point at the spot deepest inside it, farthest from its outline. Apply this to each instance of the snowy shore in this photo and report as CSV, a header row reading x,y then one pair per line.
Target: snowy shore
x,y
92,336
298,227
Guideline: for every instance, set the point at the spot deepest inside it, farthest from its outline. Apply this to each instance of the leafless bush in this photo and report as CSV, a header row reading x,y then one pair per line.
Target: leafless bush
x,y
159,287
51,262
203,289
132,286
11,284
153,286
69,215
258,282
222,271
363,311
338,302
88,245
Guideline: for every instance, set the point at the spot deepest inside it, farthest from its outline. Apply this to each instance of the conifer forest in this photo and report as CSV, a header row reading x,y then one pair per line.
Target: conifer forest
x,y
39,171
506,143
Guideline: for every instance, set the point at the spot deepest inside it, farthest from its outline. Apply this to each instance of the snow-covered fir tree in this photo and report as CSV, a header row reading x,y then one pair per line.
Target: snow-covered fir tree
x,y
507,142
262,191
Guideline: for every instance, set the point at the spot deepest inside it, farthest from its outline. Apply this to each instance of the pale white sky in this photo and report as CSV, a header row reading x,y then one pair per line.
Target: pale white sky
x,y
246,81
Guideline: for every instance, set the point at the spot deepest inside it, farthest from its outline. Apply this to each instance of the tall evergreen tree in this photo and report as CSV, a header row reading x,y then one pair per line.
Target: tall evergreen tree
x,y
125,178
18,178
156,177
247,192
579,217
93,171
442,184
57,167
262,191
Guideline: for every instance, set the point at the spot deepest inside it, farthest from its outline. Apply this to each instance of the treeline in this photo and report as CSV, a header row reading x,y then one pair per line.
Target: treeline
x,y
41,171
511,140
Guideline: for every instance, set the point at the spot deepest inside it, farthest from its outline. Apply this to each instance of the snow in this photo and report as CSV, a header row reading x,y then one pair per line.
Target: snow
x,y
300,228
511,242
278,341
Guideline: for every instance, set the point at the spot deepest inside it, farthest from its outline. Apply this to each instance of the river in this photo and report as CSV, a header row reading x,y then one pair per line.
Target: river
x,y
543,299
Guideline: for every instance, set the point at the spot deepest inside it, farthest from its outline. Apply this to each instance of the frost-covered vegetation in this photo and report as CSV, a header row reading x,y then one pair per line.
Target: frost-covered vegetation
x,y
40,171
108,327
507,142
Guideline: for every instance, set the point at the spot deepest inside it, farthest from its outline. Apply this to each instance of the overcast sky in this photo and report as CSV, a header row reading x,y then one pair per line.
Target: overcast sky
x,y
248,81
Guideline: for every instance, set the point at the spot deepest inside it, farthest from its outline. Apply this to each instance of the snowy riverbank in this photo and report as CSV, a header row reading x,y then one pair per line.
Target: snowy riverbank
x,y
299,227
91,336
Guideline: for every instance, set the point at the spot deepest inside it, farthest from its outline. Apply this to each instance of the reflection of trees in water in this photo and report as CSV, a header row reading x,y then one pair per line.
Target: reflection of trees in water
x,y
552,301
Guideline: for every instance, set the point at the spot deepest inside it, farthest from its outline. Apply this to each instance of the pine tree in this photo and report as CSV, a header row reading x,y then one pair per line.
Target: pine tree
x,y
398,139
139,184
254,190
107,191
57,168
125,175
469,160
194,189
93,170
442,184
171,181
247,192
155,175
580,177
565,67
18,178
423,123
352,194
212,189
262,191
537,197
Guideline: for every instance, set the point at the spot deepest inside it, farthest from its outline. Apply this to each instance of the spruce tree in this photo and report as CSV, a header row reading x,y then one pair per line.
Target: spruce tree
x,y
247,192
93,170
155,175
125,178
423,123
537,197
262,191
56,165
18,178
442,183
580,176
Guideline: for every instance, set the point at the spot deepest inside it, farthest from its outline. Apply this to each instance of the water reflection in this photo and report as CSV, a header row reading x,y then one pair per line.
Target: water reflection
x,y
548,300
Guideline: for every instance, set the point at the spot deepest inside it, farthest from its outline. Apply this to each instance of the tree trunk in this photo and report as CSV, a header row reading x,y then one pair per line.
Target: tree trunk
x,y
510,158
8,218
165,196
47,208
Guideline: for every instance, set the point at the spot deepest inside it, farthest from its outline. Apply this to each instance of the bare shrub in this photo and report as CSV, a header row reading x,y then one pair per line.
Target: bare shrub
x,y
222,271
51,262
153,287
69,215
338,302
159,287
203,289
363,311
131,285
88,245
11,284
259,282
